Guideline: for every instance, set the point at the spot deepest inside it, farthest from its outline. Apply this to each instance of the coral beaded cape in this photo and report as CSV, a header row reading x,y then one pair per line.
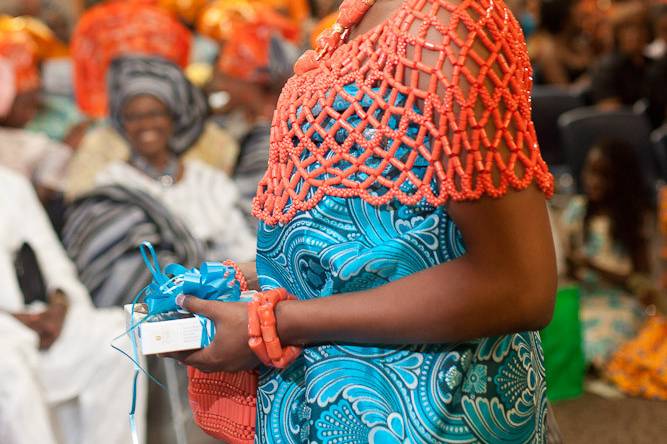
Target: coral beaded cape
x,y
437,108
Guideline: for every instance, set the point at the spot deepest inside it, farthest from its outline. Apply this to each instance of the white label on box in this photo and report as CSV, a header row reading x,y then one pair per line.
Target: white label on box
x,y
170,336
164,336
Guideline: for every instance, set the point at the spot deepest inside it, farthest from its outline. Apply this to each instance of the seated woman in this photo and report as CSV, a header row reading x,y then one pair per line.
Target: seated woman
x,y
160,114
606,233
54,344
148,30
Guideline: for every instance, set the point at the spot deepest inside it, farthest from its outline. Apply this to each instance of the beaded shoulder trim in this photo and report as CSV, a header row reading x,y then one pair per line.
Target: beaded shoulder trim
x,y
364,123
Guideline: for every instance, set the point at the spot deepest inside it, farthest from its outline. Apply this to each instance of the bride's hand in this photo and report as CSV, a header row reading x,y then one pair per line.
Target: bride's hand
x,y
229,349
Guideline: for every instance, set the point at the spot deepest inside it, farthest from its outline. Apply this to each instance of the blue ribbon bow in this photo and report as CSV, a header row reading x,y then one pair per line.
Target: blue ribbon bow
x,y
212,281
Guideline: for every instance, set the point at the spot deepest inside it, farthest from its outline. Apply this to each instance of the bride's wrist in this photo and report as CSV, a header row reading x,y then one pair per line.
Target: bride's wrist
x,y
287,323
249,270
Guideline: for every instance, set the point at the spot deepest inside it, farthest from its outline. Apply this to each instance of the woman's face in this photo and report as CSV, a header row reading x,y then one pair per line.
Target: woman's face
x,y
148,125
595,176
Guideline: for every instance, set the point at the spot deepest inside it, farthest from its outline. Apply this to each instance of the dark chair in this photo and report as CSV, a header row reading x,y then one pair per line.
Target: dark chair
x,y
548,103
659,141
583,127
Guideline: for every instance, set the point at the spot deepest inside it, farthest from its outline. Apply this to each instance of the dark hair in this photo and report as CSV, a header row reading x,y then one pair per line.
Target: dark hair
x,y
639,16
555,15
627,200
657,11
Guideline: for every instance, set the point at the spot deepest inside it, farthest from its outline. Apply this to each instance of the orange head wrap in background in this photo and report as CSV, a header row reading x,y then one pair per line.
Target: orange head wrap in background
x,y
46,42
24,42
188,10
244,30
21,51
116,28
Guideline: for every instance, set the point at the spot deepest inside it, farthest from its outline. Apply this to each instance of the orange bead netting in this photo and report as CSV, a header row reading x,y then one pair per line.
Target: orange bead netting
x,y
463,69
112,29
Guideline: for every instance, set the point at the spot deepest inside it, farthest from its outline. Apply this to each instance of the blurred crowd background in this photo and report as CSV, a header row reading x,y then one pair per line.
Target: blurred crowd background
x,y
131,120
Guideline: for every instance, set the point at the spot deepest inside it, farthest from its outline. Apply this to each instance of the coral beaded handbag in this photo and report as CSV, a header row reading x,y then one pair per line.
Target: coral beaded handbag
x,y
223,404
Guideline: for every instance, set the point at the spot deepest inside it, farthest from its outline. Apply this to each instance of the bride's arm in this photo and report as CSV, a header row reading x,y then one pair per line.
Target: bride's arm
x,y
506,282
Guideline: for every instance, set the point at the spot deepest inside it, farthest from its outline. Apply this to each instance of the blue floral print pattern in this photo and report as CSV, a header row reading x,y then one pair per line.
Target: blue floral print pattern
x,y
491,390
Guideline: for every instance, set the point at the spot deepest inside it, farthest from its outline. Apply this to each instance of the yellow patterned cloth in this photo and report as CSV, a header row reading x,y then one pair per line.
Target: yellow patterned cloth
x,y
639,367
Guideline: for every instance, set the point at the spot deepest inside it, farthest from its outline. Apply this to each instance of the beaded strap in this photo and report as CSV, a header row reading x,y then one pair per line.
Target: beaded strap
x,y
239,276
454,126
263,336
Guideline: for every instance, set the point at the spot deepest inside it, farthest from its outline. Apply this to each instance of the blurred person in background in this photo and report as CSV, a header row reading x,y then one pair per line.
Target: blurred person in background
x,y
256,57
106,32
31,154
40,159
606,233
559,55
58,116
185,207
618,78
30,42
243,92
56,354
160,114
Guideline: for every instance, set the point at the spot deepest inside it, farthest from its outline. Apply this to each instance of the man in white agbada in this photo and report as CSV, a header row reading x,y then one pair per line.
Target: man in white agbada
x,y
60,381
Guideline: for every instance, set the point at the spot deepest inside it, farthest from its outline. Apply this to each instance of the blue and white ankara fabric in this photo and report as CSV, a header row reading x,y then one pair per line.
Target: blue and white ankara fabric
x,y
491,390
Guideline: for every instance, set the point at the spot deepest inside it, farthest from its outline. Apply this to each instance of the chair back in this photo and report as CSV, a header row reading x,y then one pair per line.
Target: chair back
x,y
548,104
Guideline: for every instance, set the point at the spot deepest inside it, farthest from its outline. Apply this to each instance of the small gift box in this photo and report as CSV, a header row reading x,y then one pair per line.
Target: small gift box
x,y
167,332
158,325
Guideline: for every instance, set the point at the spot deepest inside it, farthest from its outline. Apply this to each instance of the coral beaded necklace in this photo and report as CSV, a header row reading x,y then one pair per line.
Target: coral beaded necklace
x,y
432,104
